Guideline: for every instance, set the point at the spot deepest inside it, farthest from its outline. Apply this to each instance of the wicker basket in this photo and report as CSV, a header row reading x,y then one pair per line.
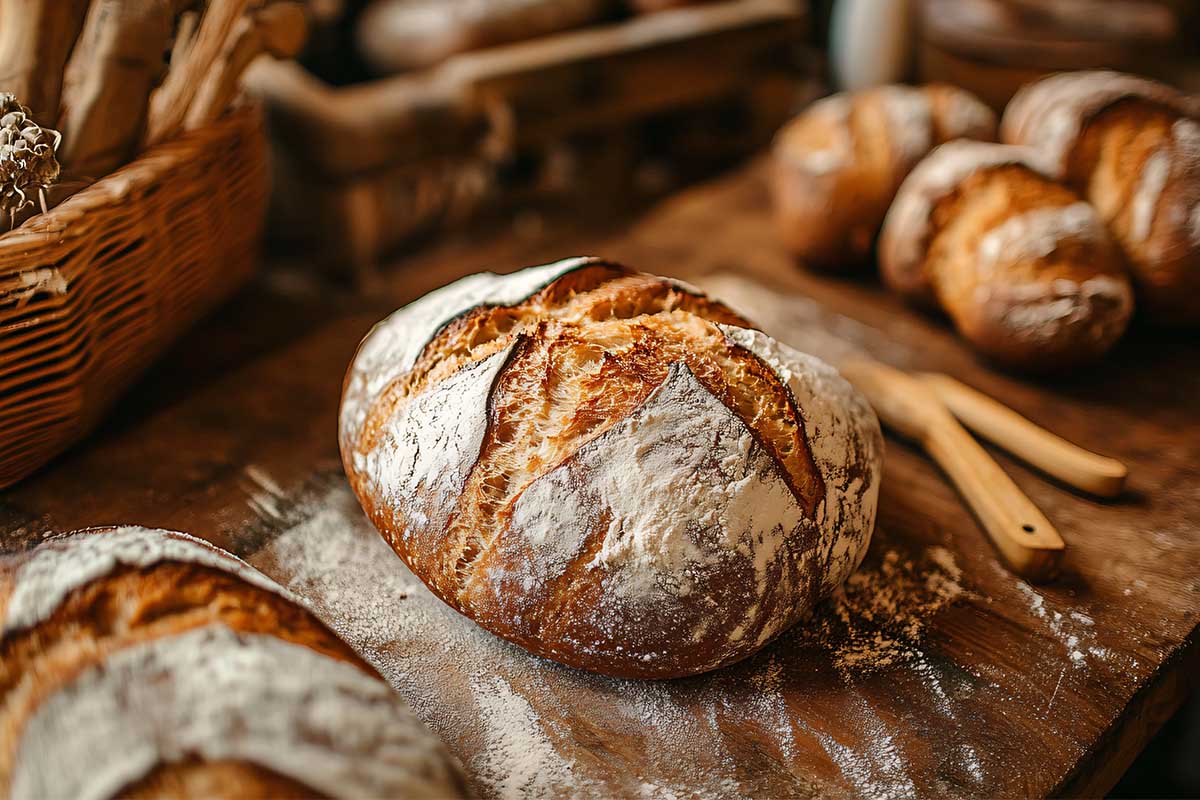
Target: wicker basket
x,y
94,290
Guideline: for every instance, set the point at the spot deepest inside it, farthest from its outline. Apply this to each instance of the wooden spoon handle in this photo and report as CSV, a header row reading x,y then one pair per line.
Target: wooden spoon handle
x,y
1027,541
1022,534
999,424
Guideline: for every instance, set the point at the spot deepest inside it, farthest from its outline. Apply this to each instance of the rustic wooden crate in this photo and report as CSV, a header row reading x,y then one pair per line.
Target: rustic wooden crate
x,y
92,291
363,168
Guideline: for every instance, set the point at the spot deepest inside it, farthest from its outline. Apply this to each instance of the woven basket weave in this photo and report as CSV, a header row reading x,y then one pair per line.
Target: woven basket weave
x,y
94,290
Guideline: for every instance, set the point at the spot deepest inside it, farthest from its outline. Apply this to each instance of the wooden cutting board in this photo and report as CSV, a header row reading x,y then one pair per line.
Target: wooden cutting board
x,y
935,673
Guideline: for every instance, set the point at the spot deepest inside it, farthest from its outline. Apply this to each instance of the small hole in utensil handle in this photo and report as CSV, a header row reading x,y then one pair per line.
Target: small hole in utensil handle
x,y
1028,528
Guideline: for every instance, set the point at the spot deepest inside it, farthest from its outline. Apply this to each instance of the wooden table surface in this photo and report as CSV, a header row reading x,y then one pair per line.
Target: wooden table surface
x,y
935,673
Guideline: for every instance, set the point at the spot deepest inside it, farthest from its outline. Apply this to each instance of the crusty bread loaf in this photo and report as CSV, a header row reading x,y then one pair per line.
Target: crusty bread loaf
x,y
399,35
609,468
140,663
1131,146
837,166
1019,262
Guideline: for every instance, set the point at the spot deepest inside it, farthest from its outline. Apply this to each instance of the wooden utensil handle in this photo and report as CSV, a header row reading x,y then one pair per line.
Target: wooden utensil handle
x,y
1025,538
1086,471
1022,534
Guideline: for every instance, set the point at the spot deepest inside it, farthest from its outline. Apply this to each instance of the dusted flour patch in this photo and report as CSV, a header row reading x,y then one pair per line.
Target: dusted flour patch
x,y
910,122
1145,198
216,695
1041,311
681,448
532,768
430,444
1038,233
62,565
847,446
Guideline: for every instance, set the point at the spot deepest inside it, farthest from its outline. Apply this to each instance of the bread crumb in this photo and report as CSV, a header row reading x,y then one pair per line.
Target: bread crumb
x,y
879,617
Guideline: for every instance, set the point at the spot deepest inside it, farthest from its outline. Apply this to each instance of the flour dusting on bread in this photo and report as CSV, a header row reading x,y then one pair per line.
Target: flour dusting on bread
x,y
392,346
217,695
1039,232
910,122
62,565
612,449
428,448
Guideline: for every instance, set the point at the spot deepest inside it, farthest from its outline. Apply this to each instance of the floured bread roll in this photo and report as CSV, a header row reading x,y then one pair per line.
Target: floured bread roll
x,y
838,164
1131,146
146,663
1021,264
609,468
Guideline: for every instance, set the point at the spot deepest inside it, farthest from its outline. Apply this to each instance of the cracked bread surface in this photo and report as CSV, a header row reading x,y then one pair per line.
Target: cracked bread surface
x,y
576,467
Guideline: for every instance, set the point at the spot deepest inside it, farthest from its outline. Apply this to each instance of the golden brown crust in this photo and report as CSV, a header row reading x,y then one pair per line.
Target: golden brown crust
x,y
106,628
1134,163
216,780
1019,262
838,165
1131,146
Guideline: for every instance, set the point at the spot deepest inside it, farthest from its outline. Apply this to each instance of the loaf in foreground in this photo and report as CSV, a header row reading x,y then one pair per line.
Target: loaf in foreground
x,y
146,663
609,468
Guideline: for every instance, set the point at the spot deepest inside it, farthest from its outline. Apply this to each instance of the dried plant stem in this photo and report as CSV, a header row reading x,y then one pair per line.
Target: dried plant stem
x,y
36,36
115,66
169,105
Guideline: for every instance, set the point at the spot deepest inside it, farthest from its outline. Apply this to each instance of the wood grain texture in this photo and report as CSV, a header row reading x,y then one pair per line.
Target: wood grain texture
x,y
234,440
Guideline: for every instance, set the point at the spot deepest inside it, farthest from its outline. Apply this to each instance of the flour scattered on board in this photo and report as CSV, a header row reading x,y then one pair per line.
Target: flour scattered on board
x,y
878,772
1075,630
516,721
518,760
504,713
879,617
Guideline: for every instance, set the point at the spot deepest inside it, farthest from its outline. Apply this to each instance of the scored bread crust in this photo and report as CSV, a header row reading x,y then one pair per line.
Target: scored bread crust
x,y
1051,114
838,164
1131,146
1020,263
173,617
607,467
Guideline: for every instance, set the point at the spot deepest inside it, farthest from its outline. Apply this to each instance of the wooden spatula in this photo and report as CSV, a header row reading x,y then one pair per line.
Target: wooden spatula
x,y
911,407
999,424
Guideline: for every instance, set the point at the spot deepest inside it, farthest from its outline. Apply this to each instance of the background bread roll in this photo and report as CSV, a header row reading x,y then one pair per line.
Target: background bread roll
x,y
1020,263
609,468
138,662
837,166
1131,146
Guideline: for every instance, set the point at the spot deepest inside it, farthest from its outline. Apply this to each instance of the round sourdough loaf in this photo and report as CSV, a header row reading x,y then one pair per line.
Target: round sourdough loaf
x,y
146,663
609,468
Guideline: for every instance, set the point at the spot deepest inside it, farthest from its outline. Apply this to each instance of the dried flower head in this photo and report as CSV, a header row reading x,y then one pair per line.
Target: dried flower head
x,y
27,157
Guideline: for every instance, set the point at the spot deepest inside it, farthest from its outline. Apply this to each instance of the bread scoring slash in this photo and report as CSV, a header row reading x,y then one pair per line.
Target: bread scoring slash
x,y
609,468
